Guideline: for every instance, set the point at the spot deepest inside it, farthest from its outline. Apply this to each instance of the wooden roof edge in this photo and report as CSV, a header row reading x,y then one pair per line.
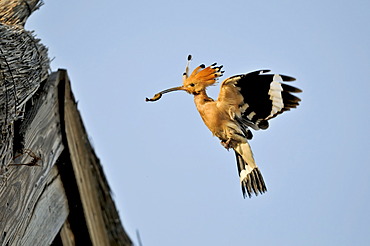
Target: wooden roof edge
x,y
102,217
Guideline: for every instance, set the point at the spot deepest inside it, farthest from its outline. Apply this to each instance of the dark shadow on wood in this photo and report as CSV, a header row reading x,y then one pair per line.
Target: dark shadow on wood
x,y
76,217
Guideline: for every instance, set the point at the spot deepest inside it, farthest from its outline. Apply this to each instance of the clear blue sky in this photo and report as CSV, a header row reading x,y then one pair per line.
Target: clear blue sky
x,y
171,179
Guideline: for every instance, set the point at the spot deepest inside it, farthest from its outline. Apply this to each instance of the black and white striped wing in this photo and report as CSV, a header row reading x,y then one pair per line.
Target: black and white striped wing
x,y
261,96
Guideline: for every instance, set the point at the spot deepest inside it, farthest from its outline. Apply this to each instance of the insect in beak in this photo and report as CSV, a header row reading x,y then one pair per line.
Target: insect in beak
x,y
159,94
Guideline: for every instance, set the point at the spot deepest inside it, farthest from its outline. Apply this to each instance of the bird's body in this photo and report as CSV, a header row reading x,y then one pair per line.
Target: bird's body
x,y
217,118
214,117
247,100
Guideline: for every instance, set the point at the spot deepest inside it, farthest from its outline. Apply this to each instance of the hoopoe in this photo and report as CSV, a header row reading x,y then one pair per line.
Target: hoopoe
x,y
245,101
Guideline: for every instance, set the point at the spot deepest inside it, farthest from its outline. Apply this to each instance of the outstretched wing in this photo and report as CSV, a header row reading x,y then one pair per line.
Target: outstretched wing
x,y
257,97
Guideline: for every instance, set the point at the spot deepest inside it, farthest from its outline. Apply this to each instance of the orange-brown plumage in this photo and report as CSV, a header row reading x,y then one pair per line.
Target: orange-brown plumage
x,y
247,100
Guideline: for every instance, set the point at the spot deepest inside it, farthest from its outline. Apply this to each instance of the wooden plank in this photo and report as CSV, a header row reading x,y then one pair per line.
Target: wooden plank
x,y
49,214
33,204
76,218
80,158
23,186
67,235
101,215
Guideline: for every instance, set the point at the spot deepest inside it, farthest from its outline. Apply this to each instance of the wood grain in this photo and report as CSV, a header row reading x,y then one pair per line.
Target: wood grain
x,y
24,185
35,200
100,212
49,214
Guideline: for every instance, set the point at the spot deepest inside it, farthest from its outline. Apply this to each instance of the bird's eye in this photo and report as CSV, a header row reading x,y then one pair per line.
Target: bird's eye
x,y
192,85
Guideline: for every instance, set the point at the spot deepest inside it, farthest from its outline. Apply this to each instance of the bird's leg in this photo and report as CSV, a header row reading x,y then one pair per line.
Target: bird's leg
x,y
226,143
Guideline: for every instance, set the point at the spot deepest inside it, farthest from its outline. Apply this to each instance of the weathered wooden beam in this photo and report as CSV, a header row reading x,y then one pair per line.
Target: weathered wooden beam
x,y
26,189
66,235
101,215
67,191
49,214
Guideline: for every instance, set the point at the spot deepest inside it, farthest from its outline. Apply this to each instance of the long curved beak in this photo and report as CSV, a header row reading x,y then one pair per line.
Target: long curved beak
x,y
159,94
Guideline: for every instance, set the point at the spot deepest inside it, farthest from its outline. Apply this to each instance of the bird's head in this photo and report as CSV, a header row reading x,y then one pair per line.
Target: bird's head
x,y
196,82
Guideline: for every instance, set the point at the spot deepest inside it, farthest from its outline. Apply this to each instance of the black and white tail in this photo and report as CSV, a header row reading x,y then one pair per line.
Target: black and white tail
x,y
251,179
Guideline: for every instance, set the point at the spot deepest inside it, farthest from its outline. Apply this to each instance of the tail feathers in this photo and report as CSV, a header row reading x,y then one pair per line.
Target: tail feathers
x,y
251,179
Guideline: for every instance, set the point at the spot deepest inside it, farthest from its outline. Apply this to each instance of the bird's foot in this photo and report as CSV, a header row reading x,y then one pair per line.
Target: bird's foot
x,y
226,144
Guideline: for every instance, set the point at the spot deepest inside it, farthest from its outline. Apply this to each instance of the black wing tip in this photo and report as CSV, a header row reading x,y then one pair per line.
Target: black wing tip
x,y
287,78
260,71
264,70
253,73
289,88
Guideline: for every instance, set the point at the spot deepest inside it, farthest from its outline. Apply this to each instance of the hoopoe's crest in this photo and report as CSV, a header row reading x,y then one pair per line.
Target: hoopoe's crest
x,y
245,101
201,77
197,81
